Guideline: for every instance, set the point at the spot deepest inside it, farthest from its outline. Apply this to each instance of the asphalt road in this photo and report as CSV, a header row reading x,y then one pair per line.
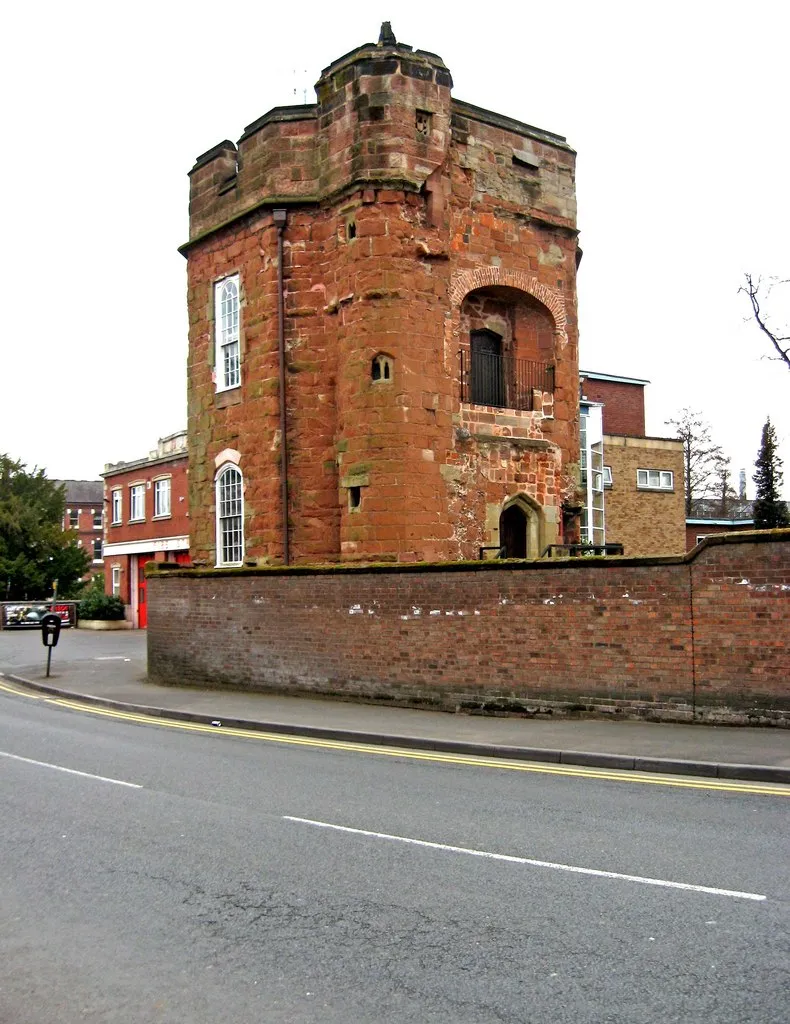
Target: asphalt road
x,y
198,899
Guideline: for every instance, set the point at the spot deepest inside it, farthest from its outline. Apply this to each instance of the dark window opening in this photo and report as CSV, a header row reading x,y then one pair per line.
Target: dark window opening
x,y
423,124
354,497
351,230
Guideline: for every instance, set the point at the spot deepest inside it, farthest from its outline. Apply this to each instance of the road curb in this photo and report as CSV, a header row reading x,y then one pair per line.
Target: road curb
x,y
588,759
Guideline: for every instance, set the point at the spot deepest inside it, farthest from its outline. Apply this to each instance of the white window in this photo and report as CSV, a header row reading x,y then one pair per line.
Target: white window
x,y
226,337
607,476
97,518
97,549
136,502
230,517
162,497
655,479
117,501
74,518
116,580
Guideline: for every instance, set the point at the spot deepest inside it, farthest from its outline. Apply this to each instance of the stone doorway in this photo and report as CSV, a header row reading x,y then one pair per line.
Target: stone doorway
x,y
513,532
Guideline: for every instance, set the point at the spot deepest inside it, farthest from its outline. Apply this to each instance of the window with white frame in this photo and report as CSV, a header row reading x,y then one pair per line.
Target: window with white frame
x,y
97,518
655,479
607,476
116,580
117,502
136,502
162,497
97,553
230,516
74,518
226,338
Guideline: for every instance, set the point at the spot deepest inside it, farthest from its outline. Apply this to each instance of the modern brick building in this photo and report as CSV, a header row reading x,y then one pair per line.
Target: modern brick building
x,y
641,488
84,513
383,336
147,520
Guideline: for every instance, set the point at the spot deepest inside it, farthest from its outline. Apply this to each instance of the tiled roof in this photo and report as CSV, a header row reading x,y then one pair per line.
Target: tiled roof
x,y
83,492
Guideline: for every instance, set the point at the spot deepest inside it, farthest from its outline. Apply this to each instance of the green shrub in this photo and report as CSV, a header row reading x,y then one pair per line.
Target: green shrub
x,y
98,605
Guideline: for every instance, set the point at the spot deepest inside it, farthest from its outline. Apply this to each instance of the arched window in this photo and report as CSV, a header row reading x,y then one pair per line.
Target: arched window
x,y
230,516
381,367
226,323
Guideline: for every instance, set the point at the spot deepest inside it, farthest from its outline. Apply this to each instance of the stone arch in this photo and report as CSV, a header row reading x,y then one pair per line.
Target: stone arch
x,y
486,277
529,517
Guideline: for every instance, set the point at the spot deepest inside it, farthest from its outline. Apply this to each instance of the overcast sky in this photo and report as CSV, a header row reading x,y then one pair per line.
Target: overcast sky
x,y
678,112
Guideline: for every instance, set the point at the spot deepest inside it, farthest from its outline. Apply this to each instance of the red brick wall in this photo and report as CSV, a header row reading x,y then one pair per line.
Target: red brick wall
x,y
174,525
584,630
624,405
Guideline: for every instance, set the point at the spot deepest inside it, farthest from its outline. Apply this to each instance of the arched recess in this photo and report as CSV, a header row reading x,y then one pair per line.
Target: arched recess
x,y
487,277
521,527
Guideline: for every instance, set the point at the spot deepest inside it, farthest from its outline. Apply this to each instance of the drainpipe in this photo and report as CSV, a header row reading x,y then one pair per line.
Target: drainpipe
x,y
280,217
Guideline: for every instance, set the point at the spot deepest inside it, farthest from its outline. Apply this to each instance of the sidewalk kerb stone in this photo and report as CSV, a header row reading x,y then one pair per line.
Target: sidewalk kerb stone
x,y
590,759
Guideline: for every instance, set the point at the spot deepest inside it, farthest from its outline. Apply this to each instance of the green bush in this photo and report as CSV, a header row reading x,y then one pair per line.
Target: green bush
x,y
98,605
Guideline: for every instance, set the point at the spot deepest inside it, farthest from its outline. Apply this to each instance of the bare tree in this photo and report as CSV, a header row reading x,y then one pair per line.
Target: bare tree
x,y
780,341
702,457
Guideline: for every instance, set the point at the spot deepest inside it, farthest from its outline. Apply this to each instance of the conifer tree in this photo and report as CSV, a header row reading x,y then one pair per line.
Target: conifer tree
x,y
770,511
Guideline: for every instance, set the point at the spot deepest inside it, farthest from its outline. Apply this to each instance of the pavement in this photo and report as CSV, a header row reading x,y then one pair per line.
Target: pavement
x,y
109,669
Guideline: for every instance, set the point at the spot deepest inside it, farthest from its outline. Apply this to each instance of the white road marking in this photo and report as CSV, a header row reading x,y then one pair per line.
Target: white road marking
x,y
530,862
71,771
112,657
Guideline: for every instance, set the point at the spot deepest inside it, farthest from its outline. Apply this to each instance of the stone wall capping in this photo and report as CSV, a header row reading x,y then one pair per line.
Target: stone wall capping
x,y
295,112
461,108
605,563
220,149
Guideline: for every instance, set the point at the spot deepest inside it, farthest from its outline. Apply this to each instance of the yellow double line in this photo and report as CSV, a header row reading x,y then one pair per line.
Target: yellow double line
x,y
607,775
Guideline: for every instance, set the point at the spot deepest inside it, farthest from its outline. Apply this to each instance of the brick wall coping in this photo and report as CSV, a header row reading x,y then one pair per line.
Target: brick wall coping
x,y
506,565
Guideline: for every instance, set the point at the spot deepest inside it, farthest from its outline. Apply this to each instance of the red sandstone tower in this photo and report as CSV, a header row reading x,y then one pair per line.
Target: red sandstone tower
x,y
383,348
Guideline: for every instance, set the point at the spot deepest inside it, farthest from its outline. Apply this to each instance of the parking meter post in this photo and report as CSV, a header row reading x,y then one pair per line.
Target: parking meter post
x,y
50,634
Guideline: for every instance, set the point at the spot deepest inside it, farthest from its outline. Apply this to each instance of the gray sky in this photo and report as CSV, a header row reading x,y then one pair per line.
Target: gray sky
x,y
678,112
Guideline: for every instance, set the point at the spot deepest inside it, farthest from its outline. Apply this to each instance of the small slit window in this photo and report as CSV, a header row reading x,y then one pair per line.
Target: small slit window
x,y
354,497
381,368
351,229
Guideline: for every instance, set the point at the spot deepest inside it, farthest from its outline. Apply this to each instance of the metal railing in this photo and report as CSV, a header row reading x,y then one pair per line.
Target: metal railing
x,y
580,550
502,381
